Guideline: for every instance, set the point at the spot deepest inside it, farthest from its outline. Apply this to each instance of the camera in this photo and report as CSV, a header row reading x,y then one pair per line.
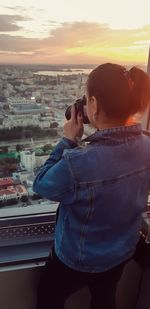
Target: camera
x,y
79,107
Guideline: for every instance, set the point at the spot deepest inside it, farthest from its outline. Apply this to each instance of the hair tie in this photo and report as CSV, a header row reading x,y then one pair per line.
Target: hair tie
x,y
129,79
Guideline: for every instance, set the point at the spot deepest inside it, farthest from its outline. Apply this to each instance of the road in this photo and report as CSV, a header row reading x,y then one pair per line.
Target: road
x,y
29,142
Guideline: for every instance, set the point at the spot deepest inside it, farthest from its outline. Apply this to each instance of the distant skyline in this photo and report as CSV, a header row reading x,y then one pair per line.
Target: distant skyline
x,y
74,31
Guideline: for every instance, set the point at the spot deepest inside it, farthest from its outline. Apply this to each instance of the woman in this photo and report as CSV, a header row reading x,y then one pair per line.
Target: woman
x,y
102,188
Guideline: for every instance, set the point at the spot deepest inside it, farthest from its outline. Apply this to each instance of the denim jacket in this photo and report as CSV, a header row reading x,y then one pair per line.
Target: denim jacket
x,y
102,188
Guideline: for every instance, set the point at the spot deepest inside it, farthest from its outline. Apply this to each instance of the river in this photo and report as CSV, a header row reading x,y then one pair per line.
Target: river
x,y
65,72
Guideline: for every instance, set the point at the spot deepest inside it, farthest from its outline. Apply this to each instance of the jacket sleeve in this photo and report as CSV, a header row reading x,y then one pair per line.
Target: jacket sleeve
x,y
55,180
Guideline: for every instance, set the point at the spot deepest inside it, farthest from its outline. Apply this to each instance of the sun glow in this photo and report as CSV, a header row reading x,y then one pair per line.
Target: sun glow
x,y
127,55
74,31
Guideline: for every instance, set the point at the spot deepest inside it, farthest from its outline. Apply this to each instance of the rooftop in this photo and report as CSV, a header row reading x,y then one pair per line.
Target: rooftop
x,y
9,191
6,181
21,189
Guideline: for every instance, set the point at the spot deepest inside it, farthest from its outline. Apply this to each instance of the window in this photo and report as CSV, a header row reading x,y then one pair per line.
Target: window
x,y
34,97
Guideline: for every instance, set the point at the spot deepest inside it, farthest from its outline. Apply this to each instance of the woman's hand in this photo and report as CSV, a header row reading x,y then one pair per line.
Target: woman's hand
x,y
73,128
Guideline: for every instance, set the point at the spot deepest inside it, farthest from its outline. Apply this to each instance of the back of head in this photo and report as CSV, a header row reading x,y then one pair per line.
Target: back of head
x,y
121,93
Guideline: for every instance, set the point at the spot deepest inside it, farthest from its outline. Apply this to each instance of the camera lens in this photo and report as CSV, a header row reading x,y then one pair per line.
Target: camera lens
x,y
79,107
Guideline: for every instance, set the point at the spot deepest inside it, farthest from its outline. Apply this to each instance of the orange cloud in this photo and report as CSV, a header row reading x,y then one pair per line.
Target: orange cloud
x,y
79,42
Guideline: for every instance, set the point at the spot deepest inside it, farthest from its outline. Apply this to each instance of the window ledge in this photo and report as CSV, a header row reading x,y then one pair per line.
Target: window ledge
x,y
26,236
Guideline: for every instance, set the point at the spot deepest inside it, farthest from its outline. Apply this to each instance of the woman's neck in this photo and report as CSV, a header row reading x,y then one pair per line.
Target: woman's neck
x,y
110,124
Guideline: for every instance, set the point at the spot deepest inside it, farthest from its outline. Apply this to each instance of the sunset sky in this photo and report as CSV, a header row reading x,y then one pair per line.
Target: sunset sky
x,y
74,31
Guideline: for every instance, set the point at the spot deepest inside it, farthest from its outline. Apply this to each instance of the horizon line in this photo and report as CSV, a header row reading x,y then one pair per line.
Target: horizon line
x,y
71,64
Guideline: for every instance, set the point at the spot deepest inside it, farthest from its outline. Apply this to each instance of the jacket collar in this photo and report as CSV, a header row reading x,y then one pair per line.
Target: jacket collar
x,y
115,134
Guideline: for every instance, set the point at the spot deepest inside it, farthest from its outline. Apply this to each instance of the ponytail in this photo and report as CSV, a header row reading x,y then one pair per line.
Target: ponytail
x,y
140,92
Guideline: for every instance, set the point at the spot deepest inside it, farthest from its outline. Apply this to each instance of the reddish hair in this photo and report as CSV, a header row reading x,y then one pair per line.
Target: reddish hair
x,y
122,93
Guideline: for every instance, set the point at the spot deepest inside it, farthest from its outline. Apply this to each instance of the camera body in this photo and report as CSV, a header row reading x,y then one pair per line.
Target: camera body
x,y
79,107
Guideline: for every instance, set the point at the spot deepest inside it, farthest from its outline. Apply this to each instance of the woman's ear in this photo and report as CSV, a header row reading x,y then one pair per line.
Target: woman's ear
x,y
94,105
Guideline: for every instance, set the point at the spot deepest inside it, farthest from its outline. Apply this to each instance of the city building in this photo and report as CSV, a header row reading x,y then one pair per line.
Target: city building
x,y
22,176
5,182
8,194
21,191
27,160
40,160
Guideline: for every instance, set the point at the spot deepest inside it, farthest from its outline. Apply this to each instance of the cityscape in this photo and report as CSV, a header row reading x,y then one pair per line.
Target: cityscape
x,y
32,109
